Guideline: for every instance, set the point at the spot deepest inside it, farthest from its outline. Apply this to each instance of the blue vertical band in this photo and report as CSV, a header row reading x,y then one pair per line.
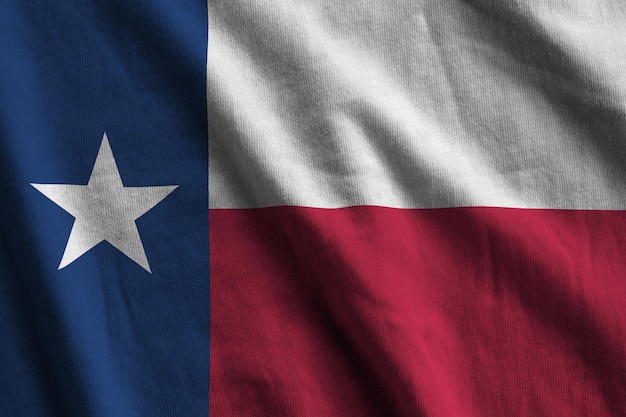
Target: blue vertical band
x,y
103,337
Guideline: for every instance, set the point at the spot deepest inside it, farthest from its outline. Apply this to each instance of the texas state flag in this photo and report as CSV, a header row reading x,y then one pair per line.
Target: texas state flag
x,y
312,208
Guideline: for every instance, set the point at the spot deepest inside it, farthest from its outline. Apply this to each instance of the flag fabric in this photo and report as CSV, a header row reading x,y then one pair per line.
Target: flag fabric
x,y
417,208
104,273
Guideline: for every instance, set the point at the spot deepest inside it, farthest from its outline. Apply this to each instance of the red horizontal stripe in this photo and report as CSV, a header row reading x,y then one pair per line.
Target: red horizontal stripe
x,y
370,311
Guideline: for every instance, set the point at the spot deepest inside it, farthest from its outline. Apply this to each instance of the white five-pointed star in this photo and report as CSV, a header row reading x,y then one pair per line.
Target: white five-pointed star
x,y
104,209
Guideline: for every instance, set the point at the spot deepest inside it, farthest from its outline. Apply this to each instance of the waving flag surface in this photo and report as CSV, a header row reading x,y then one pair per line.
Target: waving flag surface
x,y
104,286
416,208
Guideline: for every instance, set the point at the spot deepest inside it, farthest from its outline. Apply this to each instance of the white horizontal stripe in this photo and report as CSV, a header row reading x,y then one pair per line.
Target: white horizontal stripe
x,y
407,103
